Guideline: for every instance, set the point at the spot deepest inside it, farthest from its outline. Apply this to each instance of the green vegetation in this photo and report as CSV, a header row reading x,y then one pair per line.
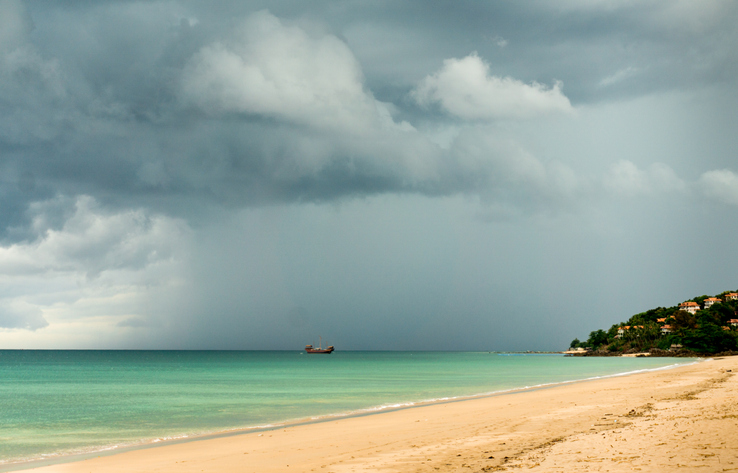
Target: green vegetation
x,y
710,330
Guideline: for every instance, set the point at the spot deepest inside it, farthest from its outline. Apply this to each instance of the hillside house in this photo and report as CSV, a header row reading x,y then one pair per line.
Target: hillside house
x,y
710,301
624,329
691,307
733,322
731,296
666,329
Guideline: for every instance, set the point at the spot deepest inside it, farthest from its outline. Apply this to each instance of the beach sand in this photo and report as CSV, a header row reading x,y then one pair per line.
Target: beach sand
x,y
685,417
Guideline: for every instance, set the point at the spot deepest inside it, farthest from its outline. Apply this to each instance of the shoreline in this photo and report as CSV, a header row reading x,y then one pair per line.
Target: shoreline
x,y
113,441
359,428
106,451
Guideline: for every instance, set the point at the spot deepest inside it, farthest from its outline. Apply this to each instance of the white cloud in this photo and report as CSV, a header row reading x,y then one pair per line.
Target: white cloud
x,y
619,76
280,71
509,177
720,185
95,264
500,41
625,178
16,314
91,241
464,88
482,154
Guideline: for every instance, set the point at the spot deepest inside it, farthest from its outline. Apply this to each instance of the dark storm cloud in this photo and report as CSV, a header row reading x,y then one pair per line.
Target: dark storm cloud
x,y
176,105
100,98
93,97
147,103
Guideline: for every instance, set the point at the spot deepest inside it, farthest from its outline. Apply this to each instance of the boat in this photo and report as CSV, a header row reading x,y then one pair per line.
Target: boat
x,y
327,350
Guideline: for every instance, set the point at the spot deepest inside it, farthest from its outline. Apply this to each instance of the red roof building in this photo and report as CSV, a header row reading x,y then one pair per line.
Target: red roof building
x,y
691,307
710,301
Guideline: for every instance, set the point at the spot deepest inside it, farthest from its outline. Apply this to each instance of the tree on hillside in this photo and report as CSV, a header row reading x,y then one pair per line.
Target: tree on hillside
x,y
701,300
710,338
684,320
613,332
723,311
648,335
666,342
649,316
597,338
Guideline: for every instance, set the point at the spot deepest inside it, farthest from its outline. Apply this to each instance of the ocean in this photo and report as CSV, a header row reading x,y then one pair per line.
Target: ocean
x,y
69,402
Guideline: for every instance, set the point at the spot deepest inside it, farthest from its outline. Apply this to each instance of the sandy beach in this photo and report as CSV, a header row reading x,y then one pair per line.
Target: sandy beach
x,y
685,417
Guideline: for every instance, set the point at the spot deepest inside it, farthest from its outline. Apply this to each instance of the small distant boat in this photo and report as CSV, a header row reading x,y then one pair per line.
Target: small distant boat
x,y
311,349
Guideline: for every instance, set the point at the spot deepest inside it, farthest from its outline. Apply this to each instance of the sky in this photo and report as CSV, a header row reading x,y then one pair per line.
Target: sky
x,y
415,175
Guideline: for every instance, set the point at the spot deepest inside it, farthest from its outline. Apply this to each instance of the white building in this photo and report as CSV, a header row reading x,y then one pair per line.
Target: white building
x,y
710,301
622,330
691,307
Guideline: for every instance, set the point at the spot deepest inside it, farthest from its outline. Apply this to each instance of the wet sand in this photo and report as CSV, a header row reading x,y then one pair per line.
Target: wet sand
x,y
685,418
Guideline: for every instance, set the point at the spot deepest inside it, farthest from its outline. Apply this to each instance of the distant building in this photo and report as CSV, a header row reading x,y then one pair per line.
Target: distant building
x,y
661,320
731,296
733,322
710,301
622,330
691,307
666,329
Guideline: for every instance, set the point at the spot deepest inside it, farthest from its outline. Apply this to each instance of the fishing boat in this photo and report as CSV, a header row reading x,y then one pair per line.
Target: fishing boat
x,y
311,349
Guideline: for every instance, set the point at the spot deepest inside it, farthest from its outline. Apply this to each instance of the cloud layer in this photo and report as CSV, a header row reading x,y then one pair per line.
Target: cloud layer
x,y
464,88
214,171
272,70
82,254
721,185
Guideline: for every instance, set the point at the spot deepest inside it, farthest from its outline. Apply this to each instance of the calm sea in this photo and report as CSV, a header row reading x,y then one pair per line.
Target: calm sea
x,y
55,403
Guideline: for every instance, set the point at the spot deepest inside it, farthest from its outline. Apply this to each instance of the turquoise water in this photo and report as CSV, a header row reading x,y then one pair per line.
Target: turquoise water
x,y
63,402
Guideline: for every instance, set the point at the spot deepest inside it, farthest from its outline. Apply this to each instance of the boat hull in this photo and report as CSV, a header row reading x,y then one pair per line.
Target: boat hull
x,y
322,351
